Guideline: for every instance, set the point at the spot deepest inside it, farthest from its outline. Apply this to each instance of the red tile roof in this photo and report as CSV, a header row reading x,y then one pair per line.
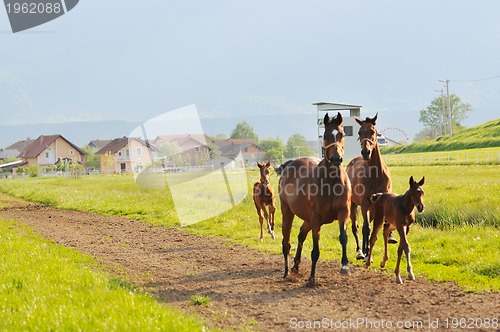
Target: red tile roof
x,y
41,143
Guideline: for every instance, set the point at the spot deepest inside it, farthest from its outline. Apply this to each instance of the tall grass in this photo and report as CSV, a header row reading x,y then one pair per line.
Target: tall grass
x,y
46,287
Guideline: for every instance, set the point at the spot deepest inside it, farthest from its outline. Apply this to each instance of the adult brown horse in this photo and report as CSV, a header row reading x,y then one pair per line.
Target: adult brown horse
x,y
318,192
369,175
263,197
399,213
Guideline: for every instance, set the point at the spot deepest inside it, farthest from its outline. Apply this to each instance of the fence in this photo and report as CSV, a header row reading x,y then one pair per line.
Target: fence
x,y
473,157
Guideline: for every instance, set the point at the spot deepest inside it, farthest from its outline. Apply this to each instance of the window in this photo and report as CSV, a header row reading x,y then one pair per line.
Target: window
x,y
138,151
197,149
127,152
71,152
348,130
119,153
46,155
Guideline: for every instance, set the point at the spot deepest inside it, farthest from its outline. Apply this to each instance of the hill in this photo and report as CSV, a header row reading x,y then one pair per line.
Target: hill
x,y
481,136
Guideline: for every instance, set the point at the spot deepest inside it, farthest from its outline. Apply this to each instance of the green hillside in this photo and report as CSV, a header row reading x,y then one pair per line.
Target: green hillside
x,y
482,136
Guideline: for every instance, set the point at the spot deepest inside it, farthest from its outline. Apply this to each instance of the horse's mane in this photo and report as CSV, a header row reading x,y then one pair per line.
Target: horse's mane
x,y
280,169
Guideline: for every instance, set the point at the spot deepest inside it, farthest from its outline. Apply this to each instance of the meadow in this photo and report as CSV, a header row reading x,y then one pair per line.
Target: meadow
x,y
47,287
453,240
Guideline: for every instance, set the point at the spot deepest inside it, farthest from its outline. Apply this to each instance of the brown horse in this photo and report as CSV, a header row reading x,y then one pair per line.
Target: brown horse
x,y
318,192
398,213
369,175
263,196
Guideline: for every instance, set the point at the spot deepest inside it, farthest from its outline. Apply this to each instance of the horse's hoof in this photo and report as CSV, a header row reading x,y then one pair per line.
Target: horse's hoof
x,y
311,283
344,270
411,276
399,280
366,260
382,265
391,239
367,265
360,255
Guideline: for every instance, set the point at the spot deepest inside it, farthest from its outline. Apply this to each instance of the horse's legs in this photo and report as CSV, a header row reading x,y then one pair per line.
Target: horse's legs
x,y
377,223
286,228
388,228
343,220
272,210
304,230
261,219
266,216
403,246
406,248
315,252
365,205
354,226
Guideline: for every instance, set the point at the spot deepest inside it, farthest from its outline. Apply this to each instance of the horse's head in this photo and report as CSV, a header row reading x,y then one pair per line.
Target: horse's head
x,y
333,139
367,135
417,193
264,172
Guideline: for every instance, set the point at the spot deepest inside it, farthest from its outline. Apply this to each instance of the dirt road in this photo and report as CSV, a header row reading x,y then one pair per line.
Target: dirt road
x,y
245,286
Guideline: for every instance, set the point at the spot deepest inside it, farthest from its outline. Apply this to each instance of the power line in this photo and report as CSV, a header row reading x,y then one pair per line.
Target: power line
x,y
477,80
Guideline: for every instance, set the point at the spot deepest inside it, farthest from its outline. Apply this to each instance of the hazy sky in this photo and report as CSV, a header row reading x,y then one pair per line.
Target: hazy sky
x,y
235,60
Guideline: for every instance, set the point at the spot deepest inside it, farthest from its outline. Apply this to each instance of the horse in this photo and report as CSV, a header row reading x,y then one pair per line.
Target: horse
x,y
398,213
368,175
263,196
318,192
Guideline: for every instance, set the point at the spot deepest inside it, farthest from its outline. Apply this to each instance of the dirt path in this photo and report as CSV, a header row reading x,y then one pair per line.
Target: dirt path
x,y
245,286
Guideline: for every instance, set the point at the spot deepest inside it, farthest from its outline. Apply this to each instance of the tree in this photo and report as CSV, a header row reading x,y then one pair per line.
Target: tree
x,y
91,161
274,148
435,116
244,130
296,146
171,154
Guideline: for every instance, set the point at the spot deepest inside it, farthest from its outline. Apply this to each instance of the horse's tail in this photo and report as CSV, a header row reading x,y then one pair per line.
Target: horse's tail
x,y
281,167
375,197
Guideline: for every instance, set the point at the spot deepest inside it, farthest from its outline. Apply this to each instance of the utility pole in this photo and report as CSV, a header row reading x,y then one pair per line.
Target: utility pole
x,y
442,116
449,105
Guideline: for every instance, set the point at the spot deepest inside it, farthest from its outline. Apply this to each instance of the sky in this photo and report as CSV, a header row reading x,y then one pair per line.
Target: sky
x,y
265,62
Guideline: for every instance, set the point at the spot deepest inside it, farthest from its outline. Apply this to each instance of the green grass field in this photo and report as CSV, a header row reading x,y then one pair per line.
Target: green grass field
x,y
485,135
47,287
462,206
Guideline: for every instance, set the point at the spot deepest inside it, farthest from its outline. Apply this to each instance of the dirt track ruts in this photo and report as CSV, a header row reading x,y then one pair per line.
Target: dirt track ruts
x,y
246,287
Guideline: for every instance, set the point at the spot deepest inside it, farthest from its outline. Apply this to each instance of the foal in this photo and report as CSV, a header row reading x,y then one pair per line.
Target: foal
x,y
399,213
263,195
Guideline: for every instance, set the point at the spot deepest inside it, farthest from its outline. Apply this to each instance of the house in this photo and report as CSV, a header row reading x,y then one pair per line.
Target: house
x,y
49,149
97,144
124,155
250,151
192,147
15,149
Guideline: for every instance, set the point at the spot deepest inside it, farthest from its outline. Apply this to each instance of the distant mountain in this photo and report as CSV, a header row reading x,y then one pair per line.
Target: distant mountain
x,y
79,133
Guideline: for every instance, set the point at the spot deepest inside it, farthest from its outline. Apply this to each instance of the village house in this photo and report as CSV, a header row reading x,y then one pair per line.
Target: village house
x,y
124,155
250,151
192,147
47,150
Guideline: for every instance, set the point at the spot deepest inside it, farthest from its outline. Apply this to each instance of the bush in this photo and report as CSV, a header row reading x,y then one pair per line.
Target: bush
x,y
33,171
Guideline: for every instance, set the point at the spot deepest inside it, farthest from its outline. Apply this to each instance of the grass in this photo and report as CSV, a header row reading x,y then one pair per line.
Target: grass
x,y
482,136
200,300
462,206
482,156
46,287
